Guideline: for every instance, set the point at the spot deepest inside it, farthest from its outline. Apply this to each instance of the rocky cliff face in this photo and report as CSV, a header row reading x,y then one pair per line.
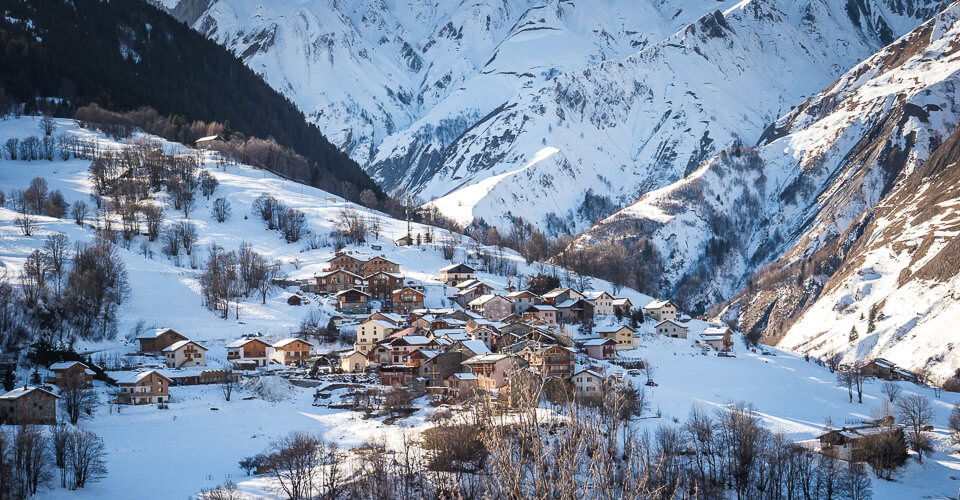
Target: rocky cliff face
x,y
847,202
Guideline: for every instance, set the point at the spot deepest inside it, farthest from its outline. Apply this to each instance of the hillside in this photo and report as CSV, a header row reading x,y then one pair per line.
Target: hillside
x,y
819,198
499,110
125,55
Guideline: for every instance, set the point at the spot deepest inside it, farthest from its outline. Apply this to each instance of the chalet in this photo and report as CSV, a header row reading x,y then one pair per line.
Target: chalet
x,y
249,351
185,353
470,348
403,241
561,295
465,295
671,328
337,280
381,284
492,307
144,388
70,374
575,311
458,383
28,406
455,273
849,443
602,348
602,302
372,331
522,300
209,141
406,299
588,383
543,312
352,301
549,360
379,265
157,340
717,338
346,262
402,347
397,375
623,305
437,365
622,334
880,368
294,300
353,362
291,351
492,370
661,310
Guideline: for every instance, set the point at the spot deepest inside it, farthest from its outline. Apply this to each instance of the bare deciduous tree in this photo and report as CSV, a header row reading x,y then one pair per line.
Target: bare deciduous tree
x,y
221,210
86,457
916,412
77,398
891,390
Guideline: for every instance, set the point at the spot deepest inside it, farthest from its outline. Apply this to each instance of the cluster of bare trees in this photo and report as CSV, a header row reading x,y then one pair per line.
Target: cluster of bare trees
x,y
291,222
228,277
35,148
35,200
352,228
30,458
64,292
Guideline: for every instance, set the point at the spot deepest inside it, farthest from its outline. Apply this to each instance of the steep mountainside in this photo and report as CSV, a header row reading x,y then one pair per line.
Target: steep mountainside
x,y
842,198
517,107
124,55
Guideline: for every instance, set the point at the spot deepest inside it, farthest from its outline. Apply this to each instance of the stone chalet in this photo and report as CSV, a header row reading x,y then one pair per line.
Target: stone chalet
x,y
661,310
28,406
455,273
671,328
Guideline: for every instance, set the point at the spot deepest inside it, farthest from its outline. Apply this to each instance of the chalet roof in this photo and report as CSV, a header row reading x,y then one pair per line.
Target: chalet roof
x,y
672,322
598,342
392,275
176,346
715,331
156,333
520,293
884,363
209,138
556,292
460,267
414,339
244,341
464,376
589,372
324,274
352,290
133,378
23,391
393,317
287,341
414,290
63,365
620,301
657,304
476,346
430,353
595,294
381,323
610,328
482,359
483,299
453,333
542,307
468,283
567,303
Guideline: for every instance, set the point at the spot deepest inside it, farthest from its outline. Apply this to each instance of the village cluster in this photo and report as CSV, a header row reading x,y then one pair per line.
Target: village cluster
x,y
484,337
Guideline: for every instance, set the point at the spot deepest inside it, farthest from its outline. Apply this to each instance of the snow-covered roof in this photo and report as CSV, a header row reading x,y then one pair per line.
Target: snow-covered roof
x,y
610,328
476,346
520,293
133,378
885,363
430,353
354,290
336,271
244,341
620,301
485,358
63,365
595,294
156,333
454,266
657,304
567,303
555,292
465,376
597,342
394,317
542,307
468,283
715,331
588,371
284,342
177,345
671,322
208,138
23,391
381,323
415,339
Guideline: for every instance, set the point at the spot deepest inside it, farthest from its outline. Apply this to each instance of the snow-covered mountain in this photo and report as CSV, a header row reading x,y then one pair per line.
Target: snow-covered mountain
x,y
505,108
849,196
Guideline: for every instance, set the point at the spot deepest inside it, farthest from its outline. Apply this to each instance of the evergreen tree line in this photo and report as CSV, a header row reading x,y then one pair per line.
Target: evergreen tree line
x,y
60,56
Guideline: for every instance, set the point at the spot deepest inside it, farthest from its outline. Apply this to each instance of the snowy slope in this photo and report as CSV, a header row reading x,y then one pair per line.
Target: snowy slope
x,y
807,195
165,293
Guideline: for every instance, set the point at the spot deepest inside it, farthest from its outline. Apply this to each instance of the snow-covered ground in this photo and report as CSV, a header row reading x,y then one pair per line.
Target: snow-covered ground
x,y
192,446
